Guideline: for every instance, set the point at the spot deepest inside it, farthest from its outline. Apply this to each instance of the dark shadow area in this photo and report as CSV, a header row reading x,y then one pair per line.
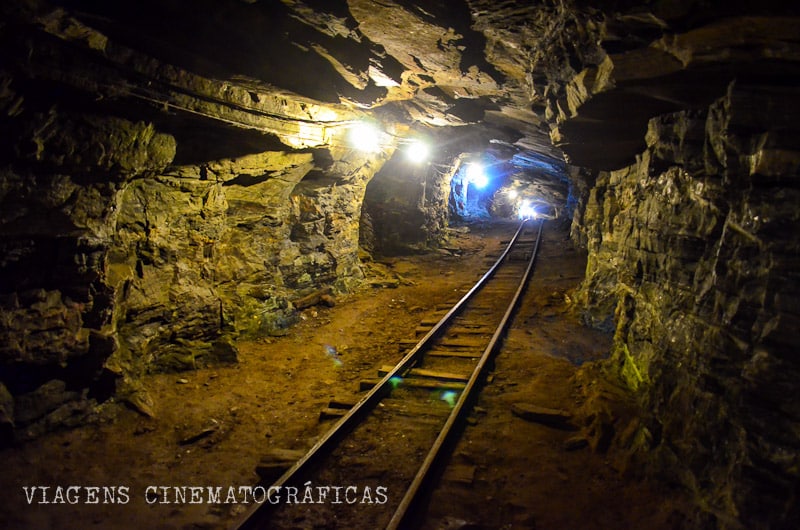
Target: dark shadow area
x,y
471,110
393,218
203,142
227,38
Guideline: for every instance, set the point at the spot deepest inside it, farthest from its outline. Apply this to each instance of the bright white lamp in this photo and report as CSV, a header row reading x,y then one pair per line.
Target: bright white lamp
x,y
365,137
417,151
526,211
477,176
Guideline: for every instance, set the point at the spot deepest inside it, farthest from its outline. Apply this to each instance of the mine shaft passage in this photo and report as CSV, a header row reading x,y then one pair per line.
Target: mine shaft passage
x,y
193,193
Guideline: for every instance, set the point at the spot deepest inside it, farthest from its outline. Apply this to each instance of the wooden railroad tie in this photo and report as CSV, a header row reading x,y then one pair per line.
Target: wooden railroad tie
x,y
409,408
337,408
451,343
464,354
414,382
430,374
458,330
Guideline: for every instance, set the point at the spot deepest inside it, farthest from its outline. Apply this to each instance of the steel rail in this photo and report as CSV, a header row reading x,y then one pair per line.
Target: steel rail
x,y
460,409
374,395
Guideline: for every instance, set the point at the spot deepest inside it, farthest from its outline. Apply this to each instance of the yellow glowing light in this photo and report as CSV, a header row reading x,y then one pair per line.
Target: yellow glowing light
x,y
365,137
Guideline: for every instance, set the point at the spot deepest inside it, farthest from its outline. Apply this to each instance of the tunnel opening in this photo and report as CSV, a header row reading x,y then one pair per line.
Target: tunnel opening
x,y
507,186
474,188
400,207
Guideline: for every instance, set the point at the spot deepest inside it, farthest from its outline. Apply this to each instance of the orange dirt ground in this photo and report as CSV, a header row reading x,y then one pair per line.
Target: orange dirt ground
x,y
506,472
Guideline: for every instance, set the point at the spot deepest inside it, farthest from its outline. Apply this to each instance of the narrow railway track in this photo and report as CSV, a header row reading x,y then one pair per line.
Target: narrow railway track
x,y
371,469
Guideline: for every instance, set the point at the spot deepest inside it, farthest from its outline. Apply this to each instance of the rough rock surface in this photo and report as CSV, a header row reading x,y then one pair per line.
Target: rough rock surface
x,y
133,246
692,262
173,177
692,236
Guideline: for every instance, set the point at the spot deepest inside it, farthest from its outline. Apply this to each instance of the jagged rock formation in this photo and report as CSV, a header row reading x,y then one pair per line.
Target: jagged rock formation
x,y
176,173
691,256
132,246
692,265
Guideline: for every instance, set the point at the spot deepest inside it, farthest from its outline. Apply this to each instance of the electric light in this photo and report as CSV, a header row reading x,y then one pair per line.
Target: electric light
x,y
476,175
512,194
417,151
365,137
526,211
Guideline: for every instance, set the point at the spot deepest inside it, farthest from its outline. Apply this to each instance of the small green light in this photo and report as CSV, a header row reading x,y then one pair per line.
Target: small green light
x,y
449,397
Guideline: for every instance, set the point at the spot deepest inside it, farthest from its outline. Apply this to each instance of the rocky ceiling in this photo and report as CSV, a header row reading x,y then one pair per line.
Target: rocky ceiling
x,y
546,81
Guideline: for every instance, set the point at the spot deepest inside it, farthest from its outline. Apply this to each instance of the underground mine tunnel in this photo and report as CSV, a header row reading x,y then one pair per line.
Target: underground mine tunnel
x,y
218,216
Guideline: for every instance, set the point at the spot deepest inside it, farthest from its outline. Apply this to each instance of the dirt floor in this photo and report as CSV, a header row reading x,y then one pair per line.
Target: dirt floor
x,y
213,426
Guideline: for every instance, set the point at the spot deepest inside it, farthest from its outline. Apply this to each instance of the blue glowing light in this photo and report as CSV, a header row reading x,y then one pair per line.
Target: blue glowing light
x,y
480,181
477,175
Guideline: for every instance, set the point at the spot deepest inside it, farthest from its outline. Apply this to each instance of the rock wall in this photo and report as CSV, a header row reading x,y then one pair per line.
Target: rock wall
x,y
116,263
229,244
149,215
61,181
693,263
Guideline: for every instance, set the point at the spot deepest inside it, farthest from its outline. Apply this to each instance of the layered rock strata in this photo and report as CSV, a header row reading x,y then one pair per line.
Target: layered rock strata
x,y
147,245
692,265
